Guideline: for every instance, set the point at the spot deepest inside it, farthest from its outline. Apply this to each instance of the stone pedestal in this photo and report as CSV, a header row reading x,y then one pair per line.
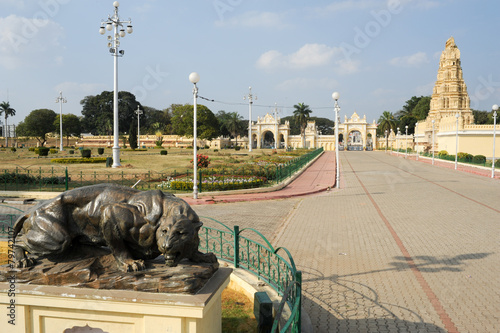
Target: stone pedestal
x,y
45,308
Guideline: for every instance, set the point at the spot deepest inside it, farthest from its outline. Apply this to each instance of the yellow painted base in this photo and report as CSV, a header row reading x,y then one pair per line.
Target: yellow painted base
x,y
40,309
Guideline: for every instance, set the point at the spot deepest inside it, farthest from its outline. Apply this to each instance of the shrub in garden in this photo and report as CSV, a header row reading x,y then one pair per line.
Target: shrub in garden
x,y
237,148
13,149
442,153
31,149
465,157
86,153
163,152
497,163
53,151
100,151
71,152
479,159
43,151
203,161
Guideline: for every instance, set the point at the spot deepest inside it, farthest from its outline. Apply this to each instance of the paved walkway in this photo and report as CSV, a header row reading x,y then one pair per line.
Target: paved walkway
x,y
318,177
401,247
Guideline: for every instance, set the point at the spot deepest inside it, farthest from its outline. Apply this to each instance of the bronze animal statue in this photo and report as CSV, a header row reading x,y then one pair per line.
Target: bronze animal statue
x,y
134,225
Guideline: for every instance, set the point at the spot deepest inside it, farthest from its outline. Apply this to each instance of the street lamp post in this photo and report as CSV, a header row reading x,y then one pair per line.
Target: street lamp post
x,y
416,140
194,78
386,141
250,102
276,128
336,97
113,23
432,147
456,142
406,141
138,112
397,141
60,99
495,109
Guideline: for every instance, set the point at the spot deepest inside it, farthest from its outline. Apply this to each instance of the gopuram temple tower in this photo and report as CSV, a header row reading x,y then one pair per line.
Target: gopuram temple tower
x,y
449,95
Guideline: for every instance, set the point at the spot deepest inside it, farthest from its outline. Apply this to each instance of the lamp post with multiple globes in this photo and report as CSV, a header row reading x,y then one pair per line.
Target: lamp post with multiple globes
x,y
114,23
336,97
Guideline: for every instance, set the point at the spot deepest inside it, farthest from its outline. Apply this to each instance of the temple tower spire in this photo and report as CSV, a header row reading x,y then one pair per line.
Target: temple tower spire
x,y
449,95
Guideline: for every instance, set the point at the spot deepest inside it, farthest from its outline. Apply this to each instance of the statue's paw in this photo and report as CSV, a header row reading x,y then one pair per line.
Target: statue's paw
x,y
25,262
134,265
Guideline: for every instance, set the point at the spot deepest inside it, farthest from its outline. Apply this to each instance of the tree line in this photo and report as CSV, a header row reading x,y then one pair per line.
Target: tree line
x,y
177,119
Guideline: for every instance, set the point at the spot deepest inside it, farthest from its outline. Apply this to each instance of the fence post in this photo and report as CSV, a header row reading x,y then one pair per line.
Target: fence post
x,y
66,180
199,181
236,237
298,279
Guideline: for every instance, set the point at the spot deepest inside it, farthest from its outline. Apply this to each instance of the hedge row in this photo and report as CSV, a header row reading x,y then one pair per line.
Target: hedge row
x,y
79,160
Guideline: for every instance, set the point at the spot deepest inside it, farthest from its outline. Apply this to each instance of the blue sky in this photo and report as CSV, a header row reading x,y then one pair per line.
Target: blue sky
x,y
376,53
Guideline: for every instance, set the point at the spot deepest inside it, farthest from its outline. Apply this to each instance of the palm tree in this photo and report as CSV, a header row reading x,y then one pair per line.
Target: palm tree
x,y
7,111
234,124
386,122
301,116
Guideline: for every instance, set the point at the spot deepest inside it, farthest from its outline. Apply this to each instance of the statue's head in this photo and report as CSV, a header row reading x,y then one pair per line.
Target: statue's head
x,y
177,234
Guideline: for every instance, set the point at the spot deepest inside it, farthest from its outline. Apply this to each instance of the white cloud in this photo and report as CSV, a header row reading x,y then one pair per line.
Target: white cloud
x,y
309,55
27,41
79,89
413,60
307,84
255,19
350,5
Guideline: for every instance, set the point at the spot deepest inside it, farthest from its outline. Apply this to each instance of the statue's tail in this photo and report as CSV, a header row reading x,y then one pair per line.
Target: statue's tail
x,y
18,225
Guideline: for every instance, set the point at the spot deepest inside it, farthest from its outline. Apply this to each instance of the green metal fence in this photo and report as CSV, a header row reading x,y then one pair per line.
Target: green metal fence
x,y
287,170
262,260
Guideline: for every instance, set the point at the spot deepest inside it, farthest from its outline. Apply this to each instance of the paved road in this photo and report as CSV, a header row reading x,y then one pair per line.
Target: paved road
x,y
403,246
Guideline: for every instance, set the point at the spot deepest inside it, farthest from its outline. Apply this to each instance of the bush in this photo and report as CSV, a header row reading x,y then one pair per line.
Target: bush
x,y
163,152
216,150
203,161
100,151
86,153
479,159
13,149
79,160
497,163
442,153
71,152
31,149
43,151
465,157
237,148
53,151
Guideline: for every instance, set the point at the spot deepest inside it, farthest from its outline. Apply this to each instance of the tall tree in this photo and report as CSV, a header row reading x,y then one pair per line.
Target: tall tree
x,y
207,123
132,136
71,126
97,112
234,124
386,122
421,110
407,109
7,112
38,124
301,115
